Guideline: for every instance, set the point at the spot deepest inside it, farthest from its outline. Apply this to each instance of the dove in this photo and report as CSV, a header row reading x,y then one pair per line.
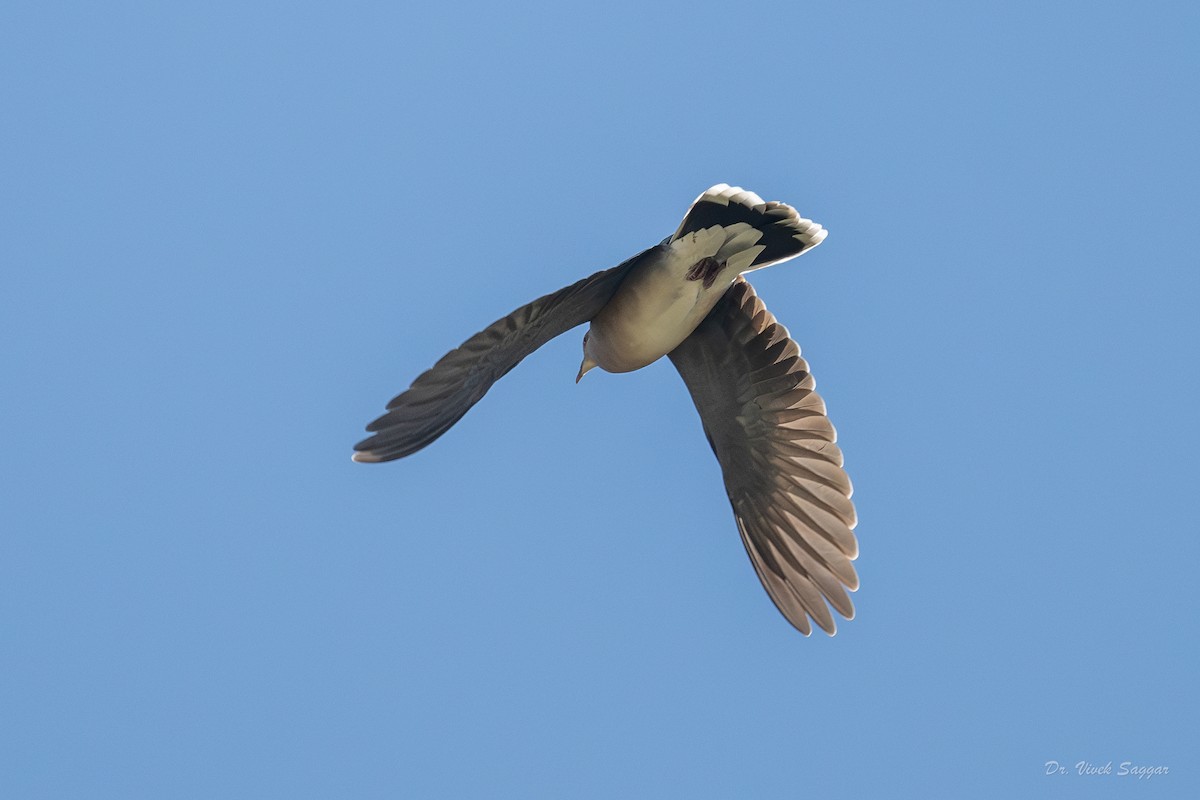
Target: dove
x,y
686,298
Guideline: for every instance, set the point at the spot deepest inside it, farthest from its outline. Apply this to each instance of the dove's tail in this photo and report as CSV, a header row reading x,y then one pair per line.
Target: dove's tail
x,y
782,233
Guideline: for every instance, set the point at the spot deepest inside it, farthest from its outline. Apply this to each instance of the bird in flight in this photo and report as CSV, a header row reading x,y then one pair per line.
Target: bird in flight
x,y
685,298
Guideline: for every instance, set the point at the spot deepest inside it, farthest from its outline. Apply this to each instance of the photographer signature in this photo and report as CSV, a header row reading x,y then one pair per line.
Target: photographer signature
x,y
1125,768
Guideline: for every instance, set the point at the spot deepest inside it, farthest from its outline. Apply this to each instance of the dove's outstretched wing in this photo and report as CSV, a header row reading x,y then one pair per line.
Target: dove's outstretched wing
x,y
783,473
439,397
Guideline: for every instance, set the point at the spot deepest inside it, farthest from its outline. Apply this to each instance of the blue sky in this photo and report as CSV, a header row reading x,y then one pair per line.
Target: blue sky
x,y
232,231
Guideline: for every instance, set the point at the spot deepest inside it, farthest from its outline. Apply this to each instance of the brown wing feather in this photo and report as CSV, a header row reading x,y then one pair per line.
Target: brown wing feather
x,y
783,473
439,397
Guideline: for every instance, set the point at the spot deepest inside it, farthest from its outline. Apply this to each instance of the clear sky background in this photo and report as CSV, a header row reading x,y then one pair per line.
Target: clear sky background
x,y
232,231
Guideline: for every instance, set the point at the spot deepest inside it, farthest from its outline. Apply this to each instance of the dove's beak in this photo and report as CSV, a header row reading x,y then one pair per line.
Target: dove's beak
x,y
587,364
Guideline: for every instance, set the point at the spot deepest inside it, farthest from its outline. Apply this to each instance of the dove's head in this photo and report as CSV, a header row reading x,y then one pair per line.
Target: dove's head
x,y
589,360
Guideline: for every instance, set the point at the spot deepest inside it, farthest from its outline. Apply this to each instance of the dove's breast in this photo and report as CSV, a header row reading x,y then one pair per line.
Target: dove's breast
x,y
661,301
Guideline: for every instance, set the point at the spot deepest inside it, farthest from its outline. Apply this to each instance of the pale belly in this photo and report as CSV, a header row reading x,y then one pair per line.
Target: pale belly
x,y
657,306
